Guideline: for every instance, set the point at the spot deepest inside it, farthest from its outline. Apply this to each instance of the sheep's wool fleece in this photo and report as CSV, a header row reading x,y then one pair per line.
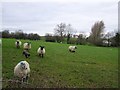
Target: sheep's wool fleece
x,y
72,48
25,46
19,72
39,51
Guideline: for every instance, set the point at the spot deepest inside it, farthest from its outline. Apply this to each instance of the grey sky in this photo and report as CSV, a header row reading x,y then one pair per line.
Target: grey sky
x,y
42,17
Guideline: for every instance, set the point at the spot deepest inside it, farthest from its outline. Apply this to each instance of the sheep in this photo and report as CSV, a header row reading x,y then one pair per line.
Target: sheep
x,y
18,43
26,53
22,71
41,51
72,48
27,46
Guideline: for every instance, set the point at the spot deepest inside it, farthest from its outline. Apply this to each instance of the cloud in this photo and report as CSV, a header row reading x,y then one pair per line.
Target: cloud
x,y
119,16
61,1
42,17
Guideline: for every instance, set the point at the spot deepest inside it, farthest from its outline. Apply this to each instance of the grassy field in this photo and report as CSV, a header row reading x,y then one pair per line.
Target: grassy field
x,y
88,67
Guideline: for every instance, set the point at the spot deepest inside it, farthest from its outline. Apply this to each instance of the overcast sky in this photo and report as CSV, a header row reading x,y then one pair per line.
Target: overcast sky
x,y
42,17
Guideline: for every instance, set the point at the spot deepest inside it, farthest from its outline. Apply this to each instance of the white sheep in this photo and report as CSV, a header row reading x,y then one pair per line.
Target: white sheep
x,y
72,48
41,51
18,43
22,70
27,45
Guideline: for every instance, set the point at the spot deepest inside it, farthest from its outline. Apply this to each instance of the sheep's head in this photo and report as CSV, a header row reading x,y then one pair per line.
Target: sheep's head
x,y
17,41
28,43
23,65
42,47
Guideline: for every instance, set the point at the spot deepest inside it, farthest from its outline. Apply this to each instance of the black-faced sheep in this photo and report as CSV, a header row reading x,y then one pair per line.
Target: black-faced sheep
x,y
18,43
26,53
27,46
41,51
72,48
22,70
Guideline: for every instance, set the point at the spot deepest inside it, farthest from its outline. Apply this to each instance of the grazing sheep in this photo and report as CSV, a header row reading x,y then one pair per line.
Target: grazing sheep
x,y
27,46
41,51
26,53
22,70
72,48
18,43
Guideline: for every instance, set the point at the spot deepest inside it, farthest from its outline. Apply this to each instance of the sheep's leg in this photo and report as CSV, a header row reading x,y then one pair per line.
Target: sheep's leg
x,y
27,79
42,55
25,55
17,46
24,79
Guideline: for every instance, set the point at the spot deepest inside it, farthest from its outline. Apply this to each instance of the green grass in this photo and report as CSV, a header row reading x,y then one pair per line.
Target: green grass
x,y
88,67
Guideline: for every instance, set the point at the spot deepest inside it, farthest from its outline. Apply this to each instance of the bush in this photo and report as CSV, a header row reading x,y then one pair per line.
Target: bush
x,y
19,35
49,38
72,41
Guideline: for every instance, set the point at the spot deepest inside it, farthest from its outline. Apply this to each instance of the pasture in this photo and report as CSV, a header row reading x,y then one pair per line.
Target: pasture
x,y
88,67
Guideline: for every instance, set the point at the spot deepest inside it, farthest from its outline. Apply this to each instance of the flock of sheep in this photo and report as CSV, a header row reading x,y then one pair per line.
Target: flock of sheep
x,y
22,69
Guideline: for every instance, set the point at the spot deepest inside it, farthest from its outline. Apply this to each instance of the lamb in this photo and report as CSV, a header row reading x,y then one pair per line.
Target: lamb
x,y
26,53
18,43
72,48
22,71
41,51
27,46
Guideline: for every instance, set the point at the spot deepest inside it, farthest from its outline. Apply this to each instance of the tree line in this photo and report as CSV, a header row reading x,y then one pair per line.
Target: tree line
x,y
19,34
65,33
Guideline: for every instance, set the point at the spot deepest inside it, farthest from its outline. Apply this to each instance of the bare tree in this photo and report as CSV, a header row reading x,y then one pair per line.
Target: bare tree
x,y
60,29
108,37
69,29
68,38
69,32
97,32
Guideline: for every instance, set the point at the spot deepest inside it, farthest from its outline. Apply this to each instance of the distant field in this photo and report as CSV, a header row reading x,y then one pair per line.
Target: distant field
x,y
88,67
